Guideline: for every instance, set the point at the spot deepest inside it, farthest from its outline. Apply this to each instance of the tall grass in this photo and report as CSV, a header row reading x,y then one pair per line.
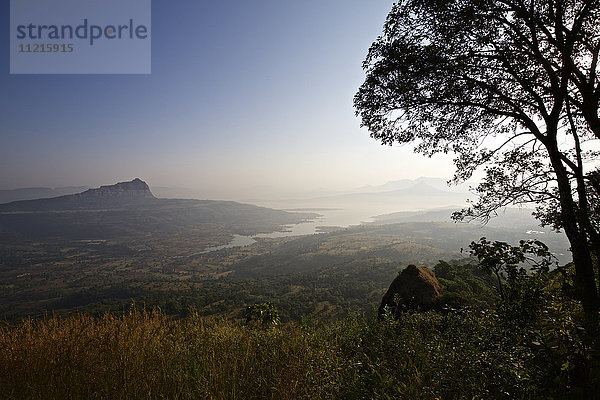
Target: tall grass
x,y
142,355
146,355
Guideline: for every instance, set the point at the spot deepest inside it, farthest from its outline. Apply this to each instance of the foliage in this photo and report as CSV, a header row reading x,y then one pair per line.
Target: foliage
x,y
538,304
464,285
264,314
507,262
463,354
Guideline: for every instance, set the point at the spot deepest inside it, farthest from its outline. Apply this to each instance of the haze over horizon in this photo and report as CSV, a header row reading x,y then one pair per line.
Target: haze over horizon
x,y
403,194
245,100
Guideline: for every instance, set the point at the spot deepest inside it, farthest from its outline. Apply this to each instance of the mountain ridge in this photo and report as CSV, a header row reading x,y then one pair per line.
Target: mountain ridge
x,y
36,193
119,194
420,188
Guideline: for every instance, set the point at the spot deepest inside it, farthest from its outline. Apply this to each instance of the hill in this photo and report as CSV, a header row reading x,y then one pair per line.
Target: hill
x,y
110,196
129,209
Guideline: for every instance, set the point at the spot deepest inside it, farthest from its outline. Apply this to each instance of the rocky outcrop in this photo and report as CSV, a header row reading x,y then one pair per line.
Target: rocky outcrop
x,y
136,188
415,288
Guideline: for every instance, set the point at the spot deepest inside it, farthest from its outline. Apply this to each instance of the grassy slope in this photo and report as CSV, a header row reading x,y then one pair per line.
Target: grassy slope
x,y
143,355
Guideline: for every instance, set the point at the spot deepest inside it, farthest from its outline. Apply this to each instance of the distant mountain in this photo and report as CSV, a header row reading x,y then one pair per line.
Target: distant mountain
x,y
129,209
419,188
402,184
420,195
120,194
514,218
7,196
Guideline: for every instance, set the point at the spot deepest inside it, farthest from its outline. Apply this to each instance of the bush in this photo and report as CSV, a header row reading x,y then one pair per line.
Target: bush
x,y
263,314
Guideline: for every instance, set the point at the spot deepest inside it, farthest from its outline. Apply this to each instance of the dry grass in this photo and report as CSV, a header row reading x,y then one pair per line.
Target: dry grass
x,y
144,355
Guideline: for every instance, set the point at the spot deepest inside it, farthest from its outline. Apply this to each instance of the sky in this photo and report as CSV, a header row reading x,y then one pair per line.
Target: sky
x,y
245,99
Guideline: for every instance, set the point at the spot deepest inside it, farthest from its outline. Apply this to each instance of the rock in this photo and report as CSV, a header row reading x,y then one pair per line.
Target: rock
x,y
415,288
136,188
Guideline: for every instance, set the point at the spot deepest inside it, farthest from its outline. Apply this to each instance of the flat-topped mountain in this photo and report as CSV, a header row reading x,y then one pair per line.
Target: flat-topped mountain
x,y
129,209
109,196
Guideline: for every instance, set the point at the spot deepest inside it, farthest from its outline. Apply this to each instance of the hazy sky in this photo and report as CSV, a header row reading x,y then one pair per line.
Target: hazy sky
x,y
245,98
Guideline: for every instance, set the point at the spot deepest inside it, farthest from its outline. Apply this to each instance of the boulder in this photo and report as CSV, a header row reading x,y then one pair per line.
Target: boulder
x,y
415,288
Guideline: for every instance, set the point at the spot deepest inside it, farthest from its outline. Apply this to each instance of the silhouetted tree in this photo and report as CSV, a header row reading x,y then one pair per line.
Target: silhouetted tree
x,y
507,262
510,86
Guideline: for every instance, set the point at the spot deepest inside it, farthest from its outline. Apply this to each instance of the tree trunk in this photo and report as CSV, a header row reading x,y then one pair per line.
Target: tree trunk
x,y
585,278
589,110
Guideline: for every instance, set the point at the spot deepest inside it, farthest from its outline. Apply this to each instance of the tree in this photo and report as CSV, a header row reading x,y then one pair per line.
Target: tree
x,y
509,86
507,262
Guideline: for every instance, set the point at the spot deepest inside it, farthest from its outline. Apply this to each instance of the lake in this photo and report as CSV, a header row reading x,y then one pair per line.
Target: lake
x,y
330,217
